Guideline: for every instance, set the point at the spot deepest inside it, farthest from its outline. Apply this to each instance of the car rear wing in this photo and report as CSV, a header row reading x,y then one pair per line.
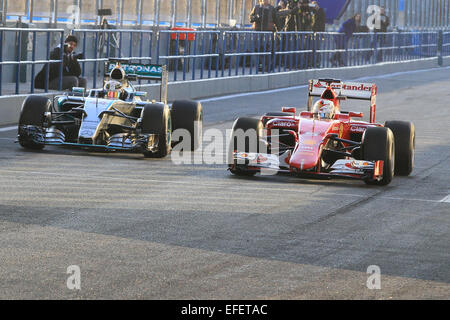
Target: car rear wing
x,y
139,71
345,90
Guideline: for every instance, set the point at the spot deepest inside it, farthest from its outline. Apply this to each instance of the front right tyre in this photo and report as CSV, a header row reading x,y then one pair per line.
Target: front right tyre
x,y
378,144
405,145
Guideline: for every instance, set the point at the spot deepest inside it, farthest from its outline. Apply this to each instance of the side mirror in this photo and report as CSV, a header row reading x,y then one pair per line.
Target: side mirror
x,y
78,91
356,114
142,94
289,110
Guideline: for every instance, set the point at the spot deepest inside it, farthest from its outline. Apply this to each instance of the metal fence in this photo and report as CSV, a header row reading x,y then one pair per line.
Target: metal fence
x,y
15,56
191,54
445,51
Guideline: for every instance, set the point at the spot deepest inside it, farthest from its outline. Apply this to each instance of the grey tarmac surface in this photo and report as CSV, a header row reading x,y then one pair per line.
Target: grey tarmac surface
x,y
149,229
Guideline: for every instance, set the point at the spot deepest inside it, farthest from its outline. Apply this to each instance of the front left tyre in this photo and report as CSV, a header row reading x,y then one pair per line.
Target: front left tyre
x,y
31,122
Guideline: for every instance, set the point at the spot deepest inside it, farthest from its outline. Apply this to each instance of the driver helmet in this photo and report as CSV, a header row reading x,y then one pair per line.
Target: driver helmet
x,y
325,109
113,89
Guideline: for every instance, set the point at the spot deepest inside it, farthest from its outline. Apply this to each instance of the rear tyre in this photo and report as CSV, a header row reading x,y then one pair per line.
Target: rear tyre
x,y
32,114
156,120
253,128
187,114
378,144
405,144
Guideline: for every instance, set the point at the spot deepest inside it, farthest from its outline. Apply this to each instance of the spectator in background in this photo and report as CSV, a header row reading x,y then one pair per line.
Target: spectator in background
x,y
281,13
348,28
263,16
300,16
381,38
292,17
319,18
71,68
306,17
384,21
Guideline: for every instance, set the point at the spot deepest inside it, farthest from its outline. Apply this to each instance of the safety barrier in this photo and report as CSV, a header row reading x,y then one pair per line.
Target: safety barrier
x,y
188,50
445,51
193,54
18,60
246,52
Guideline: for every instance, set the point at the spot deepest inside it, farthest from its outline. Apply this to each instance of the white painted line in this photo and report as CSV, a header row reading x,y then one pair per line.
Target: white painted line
x,y
8,129
446,199
242,187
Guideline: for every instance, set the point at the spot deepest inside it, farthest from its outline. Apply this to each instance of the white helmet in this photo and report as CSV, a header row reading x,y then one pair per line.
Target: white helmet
x,y
325,109
113,89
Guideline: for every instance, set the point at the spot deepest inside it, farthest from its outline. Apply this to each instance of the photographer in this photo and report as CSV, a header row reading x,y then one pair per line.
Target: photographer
x,y
292,18
71,68
306,16
300,17
281,13
263,16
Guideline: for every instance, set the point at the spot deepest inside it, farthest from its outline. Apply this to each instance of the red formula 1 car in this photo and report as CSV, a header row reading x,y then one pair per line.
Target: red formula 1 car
x,y
324,141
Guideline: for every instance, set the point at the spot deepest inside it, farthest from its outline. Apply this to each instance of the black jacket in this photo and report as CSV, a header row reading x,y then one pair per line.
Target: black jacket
x,y
319,21
385,22
71,67
263,18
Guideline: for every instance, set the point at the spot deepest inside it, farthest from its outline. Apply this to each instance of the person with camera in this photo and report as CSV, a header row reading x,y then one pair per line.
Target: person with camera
x,y
292,17
300,17
281,13
71,68
306,16
263,16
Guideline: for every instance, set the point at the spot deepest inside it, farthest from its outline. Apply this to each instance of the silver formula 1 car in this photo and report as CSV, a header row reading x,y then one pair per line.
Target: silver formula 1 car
x,y
112,118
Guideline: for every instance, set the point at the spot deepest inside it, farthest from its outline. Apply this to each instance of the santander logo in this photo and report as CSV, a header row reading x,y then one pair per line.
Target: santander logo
x,y
361,87
353,87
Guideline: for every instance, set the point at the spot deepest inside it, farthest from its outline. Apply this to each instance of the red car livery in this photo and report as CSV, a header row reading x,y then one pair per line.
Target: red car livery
x,y
336,144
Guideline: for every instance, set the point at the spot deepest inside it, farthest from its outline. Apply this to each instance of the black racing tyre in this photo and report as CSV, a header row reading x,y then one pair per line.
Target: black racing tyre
x,y
185,114
253,127
405,145
275,114
379,144
155,119
32,114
